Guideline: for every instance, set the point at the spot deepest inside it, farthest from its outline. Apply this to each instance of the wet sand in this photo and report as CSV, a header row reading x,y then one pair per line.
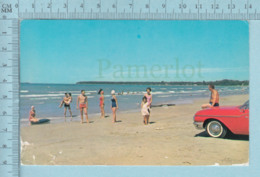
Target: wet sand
x,y
169,139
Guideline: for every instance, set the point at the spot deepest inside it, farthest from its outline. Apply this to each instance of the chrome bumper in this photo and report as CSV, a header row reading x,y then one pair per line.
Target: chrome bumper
x,y
198,125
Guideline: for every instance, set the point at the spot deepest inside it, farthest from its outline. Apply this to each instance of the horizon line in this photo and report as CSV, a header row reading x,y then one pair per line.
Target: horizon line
x,y
139,81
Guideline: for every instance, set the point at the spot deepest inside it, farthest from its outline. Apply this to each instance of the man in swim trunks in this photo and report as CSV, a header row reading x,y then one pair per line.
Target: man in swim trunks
x,y
66,101
214,98
82,105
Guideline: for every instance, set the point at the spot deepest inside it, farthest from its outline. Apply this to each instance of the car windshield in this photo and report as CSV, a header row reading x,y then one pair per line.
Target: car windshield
x,y
245,105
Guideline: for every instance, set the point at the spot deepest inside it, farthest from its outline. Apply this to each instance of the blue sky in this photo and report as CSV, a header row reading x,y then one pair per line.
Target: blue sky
x,y
68,51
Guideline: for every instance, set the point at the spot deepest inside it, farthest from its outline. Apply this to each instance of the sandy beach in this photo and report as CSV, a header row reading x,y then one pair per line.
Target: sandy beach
x,y
170,139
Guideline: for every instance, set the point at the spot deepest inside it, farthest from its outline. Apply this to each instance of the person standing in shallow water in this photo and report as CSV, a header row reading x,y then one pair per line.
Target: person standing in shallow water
x,y
82,105
149,98
102,103
66,102
114,105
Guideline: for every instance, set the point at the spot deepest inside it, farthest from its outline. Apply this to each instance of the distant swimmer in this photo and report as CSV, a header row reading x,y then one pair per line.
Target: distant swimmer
x,y
114,105
82,105
32,115
214,98
66,102
102,103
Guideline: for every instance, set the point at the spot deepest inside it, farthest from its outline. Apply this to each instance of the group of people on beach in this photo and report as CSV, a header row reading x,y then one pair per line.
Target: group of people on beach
x,y
82,104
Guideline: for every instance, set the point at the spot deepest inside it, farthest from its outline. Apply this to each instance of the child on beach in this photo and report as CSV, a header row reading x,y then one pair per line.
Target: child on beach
x,y
101,103
32,115
149,98
114,105
145,110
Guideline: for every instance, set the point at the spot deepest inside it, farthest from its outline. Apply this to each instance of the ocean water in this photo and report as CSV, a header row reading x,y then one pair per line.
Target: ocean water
x,y
47,97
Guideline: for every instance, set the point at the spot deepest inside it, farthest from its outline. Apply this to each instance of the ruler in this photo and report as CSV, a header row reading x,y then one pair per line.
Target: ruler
x,y
9,96
140,9
13,11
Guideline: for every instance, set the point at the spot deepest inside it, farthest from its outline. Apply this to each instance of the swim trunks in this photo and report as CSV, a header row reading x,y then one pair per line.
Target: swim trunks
x,y
82,105
66,105
215,105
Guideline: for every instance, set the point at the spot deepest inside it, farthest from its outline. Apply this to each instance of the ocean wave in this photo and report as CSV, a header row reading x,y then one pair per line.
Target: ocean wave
x,y
41,98
24,91
195,91
41,95
72,92
158,92
45,98
164,96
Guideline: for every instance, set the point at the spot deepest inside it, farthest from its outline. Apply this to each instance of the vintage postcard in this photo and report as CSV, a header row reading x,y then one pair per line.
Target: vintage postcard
x,y
134,92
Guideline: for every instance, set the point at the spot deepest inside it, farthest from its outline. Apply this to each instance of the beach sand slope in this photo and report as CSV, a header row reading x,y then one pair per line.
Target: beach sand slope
x,y
170,139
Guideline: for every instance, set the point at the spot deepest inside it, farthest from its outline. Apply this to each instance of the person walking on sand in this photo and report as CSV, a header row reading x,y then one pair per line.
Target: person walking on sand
x,y
101,103
149,97
82,105
66,101
145,110
214,98
114,105
32,115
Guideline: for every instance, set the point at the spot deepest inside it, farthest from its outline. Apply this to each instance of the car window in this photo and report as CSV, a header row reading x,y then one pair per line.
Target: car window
x,y
245,105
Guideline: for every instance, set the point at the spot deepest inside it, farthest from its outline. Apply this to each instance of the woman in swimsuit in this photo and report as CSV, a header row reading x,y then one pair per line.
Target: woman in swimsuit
x,y
145,110
32,115
114,105
101,103
149,98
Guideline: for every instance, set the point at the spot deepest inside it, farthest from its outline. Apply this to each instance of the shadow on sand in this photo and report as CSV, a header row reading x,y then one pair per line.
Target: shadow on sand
x,y
90,122
152,122
229,136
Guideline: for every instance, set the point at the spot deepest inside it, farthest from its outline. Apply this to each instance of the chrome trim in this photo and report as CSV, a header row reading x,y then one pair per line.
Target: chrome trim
x,y
198,125
219,115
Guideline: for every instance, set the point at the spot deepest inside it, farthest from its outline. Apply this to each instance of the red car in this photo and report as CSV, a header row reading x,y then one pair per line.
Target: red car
x,y
218,120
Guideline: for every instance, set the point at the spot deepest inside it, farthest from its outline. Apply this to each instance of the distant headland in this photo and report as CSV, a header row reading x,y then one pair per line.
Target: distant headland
x,y
224,82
